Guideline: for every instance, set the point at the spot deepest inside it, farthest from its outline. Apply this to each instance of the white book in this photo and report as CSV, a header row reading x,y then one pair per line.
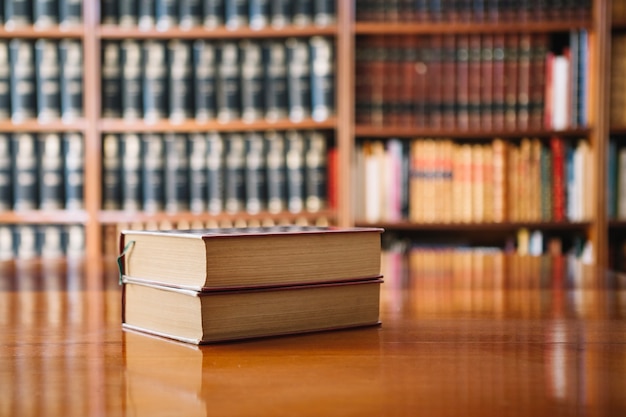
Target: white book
x,y
560,92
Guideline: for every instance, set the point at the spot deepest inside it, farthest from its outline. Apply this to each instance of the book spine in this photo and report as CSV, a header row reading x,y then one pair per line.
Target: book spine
x,y
132,63
298,79
407,75
25,172
70,13
275,84
146,11
166,14
324,12
6,177
523,81
131,172
128,10
474,81
23,90
486,83
74,171
462,82
499,83
17,13
5,81
276,176
45,12
155,105
255,173
198,186
176,173
558,178
51,244
204,60
511,67
280,13
213,13
111,79
322,78
180,80
26,242
391,84
315,165
109,12
235,14
71,55
111,172
7,251
190,13
234,191
294,159
448,72
252,89
153,171
228,83
47,75
259,13
51,172
420,97
302,12
215,173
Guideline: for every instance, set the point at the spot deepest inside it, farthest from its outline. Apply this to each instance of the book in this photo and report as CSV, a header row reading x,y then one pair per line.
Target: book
x,y
146,14
152,183
18,13
70,13
215,172
252,94
275,82
251,257
109,12
255,173
205,317
176,172
180,80
276,176
228,99
234,173
294,160
131,79
50,161
111,81
198,173
23,80
189,13
5,81
155,81
235,14
322,78
259,13
128,12
213,13
130,168
166,14
315,168
111,172
280,13
71,75
47,74
25,172
204,61
298,79
74,170
6,175
324,12
45,13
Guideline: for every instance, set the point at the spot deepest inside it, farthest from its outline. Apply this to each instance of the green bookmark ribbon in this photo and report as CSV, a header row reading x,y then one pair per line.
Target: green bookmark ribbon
x,y
120,259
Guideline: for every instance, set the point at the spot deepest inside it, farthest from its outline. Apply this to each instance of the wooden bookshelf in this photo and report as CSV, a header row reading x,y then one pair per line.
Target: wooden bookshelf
x,y
120,33
403,132
395,28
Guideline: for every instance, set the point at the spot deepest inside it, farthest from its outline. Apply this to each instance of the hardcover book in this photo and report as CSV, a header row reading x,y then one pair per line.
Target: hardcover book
x,y
214,259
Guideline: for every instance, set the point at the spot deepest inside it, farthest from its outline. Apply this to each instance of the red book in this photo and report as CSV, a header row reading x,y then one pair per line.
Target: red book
x,y
407,79
486,83
511,81
474,81
498,82
392,93
524,75
537,81
557,145
462,82
333,178
547,104
448,88
378,75
362,81
435,79
420,91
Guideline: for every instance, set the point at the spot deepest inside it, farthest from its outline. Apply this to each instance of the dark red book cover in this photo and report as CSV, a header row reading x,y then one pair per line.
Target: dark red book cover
x,y
524,75
486,83
537,82
362,81
333,178
435,82
392,94
474,81
511,81
407,79
498,81
420,91
448,72
557,146
377,85
547,105
462,82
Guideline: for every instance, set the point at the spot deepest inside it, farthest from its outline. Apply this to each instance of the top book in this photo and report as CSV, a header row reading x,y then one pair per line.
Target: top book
x,y
215,259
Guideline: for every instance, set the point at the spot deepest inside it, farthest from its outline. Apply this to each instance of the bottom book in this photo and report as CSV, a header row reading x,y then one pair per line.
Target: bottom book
x,y
215,316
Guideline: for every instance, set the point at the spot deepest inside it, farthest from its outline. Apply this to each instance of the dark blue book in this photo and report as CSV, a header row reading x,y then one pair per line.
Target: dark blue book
x,y
26,240
5,81
198,173
234,176
190,13
252,88
204,63
181,98
7,247
146,11
280,13
111,82
47,74
111,172
235,13
153,172
155,80
25,172
74,167
23,80
128,13
18,13
275,84
213,11
228,98
6,175
45,13
166,14
259,14
131,151
51,246
50,161
322,78
315,172
276,176
131,80
215,172
71,56
176,173
302,12
70,13
325,12
255,173
109,12
298,79
294,158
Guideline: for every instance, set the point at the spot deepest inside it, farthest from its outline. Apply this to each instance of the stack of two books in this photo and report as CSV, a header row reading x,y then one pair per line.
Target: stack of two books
x,y
202,286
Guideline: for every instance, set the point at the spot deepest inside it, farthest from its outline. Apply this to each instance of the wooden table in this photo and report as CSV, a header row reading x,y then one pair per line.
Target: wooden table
x,y
551,349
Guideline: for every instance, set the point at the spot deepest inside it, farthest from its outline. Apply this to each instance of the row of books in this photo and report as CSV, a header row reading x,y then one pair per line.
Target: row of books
x,y
30,241
223,80
41,79
233,14
232,173
617,91
472,81
471,11
440,181
41,171
41,13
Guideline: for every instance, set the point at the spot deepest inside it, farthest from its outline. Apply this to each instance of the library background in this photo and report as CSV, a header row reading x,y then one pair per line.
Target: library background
x,y
461,127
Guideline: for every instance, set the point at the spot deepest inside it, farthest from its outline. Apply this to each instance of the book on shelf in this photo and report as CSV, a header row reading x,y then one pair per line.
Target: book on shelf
x,y
256,257
153,171
74,170
5,81
189,13
255,178
111,81
111,172
213,13
276,176
25,172
298,79
198,187
235,14
155,80
228,99
18,13
23,80
213,316
48,75
204,60
295,166
6,176
71,73
70,13
130,171
180,80
131,79
50,161
252,76
322,78
176,176
215,173
275,82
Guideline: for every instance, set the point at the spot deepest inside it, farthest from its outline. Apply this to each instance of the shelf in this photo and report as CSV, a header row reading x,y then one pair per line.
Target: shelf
x,y
113,217
34,125
479,227
392,28
618,224
617,130
34,32
190,126
408,132
43,217
120,33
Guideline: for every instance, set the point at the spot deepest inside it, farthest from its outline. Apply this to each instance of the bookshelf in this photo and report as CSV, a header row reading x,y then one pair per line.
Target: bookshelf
x,y
344,129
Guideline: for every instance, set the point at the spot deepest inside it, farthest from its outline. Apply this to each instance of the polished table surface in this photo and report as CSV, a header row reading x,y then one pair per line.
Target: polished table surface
x,y
526,347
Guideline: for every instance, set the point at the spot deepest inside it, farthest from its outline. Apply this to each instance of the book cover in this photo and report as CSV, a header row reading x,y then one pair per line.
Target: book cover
x,y
180,80
23,80
5,81
51,179
204,63
298,79
111,172
111,81
474,81
153,169
511,79
131,154
252,76
131,79
228,82
198,173
234,175
294,159
315,168
6,176
155,81
74,170
176,172
499,81
486,82
275,82
462,82
322,78
448,73
255,173
215,172
276,175
71,58
25,172
47,74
